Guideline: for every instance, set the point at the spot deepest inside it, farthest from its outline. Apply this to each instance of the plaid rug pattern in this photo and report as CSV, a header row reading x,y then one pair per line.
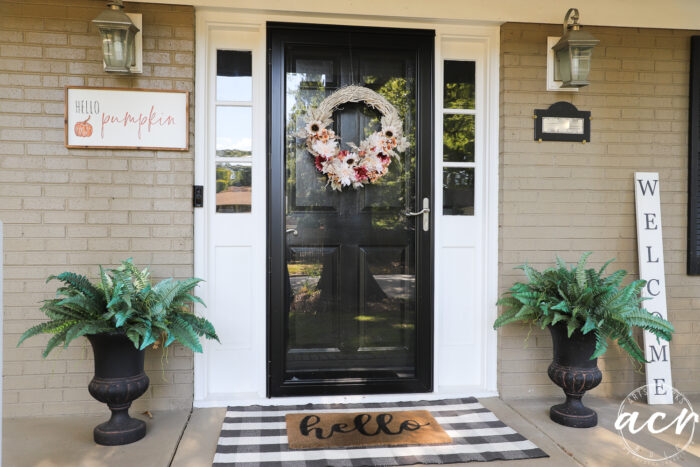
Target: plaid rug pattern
x,y
255,436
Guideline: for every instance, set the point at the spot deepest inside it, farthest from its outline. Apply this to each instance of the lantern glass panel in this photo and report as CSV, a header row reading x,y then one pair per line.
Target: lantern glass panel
x,y
117,48
580,63
563,70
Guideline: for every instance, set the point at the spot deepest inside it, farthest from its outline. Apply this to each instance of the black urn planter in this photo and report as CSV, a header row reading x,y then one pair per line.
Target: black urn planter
x,y
119,380
573,370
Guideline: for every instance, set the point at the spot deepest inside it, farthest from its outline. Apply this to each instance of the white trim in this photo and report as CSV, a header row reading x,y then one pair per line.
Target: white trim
x,y
453,232
490,241
459,111
200,217
2,318
208,21
245,229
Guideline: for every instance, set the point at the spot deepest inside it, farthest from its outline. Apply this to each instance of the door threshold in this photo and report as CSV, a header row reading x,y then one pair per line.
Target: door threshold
x,y
224,400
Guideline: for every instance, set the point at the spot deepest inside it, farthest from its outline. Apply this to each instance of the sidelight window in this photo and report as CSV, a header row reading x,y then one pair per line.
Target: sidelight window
x,y
458,136
234,131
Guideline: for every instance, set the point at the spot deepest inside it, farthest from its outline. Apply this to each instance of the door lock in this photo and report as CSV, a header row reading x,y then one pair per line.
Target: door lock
x,y
425,212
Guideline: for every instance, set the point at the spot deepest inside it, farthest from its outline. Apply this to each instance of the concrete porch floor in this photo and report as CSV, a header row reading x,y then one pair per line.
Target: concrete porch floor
x,y
184,439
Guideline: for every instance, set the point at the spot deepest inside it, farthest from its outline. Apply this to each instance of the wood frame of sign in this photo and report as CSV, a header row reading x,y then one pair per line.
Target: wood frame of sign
x,y
139,119
562,121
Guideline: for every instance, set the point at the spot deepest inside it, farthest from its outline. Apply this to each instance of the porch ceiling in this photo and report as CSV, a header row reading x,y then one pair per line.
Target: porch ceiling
x,y
675,14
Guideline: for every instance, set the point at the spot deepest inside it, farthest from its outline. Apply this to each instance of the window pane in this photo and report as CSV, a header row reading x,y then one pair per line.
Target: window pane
x,y
233,187
234,131
458,191
234,80
459,85
458,138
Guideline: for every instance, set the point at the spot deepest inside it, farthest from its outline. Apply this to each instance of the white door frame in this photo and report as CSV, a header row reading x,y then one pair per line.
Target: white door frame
x,y
234,372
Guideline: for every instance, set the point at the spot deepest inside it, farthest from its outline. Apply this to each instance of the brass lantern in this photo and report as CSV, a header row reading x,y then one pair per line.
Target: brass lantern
x,y
118,33
573,52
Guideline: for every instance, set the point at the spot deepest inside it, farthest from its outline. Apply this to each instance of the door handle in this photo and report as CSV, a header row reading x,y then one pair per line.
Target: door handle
x,y
425,212
292,231
422,211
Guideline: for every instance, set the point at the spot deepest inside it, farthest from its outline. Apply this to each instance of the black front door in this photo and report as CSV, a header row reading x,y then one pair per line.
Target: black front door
x,y
350,274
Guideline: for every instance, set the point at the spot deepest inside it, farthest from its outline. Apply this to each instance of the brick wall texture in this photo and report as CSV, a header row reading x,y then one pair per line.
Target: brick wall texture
x,y
567,198
74,209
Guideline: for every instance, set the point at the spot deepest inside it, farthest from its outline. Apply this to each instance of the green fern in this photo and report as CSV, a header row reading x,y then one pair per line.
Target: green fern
x,y
585,300
123,300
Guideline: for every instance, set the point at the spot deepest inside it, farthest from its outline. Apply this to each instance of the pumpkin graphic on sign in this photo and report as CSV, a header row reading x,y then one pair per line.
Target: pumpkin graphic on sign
x,y
83,129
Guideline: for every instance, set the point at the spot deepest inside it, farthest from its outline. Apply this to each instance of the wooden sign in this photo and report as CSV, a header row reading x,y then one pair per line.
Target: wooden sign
x,y
121,118
651,269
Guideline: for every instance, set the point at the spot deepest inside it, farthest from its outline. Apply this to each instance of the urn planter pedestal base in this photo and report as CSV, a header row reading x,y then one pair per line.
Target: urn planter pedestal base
x,y
120,429
119,380
573,370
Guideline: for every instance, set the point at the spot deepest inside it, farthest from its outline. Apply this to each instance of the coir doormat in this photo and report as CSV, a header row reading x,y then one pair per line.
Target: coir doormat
x,y
311,430
256,436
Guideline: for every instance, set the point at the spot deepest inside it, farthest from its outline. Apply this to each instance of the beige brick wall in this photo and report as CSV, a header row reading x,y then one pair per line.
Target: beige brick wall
x,y
566,198
73,209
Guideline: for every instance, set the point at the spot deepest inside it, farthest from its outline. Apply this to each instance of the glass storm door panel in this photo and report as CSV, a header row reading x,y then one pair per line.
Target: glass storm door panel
x,y
350,272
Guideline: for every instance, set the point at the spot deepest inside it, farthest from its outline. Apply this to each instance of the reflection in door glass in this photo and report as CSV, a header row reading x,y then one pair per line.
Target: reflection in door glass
x,y
234,131
350,269
233,187
458,191
459,84
458,138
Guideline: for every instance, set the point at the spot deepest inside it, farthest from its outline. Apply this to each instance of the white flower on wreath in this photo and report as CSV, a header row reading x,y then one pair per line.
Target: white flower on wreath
x,y
326,149
402,144
374,143
391,132
345,174
372,164
314,127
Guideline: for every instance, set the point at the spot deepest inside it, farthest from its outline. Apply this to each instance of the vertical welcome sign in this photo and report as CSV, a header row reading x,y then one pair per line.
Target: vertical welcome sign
x,y
651,269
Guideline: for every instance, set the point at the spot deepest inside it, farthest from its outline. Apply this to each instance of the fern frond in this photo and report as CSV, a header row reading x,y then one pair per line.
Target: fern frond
x,y
183,332
43,328
200,325
81,284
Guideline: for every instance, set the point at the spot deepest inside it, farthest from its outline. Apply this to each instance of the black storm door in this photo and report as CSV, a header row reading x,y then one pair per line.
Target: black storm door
x,y
350,274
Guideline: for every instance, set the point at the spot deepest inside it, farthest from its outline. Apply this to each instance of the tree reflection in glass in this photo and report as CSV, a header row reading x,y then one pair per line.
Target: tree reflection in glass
x,y
350,271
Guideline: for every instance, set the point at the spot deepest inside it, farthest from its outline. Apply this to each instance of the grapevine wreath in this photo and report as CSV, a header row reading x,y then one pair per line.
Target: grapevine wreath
x,y
362,164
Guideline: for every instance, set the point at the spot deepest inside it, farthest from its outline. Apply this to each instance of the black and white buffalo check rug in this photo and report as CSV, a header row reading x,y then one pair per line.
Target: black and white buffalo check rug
x,y
256,435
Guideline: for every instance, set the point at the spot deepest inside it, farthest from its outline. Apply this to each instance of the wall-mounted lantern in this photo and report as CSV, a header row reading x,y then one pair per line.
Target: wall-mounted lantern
x,y
119,44
572,61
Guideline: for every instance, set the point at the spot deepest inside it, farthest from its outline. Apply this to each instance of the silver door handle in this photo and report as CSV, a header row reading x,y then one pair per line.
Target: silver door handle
x,y
422,211
425,212
292,231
